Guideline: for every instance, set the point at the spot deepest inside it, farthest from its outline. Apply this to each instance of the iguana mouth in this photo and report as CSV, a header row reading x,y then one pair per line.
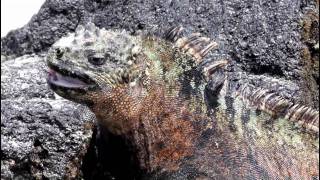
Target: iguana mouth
x,y
58,77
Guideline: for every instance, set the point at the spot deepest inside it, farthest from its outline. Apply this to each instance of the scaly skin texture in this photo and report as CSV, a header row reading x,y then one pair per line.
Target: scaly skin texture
x,y
151,92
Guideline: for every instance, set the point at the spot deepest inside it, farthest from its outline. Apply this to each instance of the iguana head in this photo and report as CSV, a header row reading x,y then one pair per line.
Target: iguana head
x,y
93,59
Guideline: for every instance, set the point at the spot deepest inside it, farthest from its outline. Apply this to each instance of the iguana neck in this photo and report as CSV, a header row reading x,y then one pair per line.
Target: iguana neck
x,y
156,125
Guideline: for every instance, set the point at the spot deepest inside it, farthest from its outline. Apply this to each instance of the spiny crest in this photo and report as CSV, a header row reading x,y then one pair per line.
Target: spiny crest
x,y
278,106
264,99
209,69
88,33
305,116
89,30
197,46
173,33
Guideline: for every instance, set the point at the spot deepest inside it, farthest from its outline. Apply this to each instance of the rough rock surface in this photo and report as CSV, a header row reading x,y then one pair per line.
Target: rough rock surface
x,y
42,135
271,39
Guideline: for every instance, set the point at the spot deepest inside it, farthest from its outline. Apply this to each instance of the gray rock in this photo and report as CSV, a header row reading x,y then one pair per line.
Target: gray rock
x,y
42,135
24,77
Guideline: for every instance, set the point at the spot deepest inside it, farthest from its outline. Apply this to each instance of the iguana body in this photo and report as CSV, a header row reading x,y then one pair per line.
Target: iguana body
x,y
151,92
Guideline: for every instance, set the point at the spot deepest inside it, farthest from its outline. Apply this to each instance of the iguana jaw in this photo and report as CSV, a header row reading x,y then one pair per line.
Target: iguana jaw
x,y
70,85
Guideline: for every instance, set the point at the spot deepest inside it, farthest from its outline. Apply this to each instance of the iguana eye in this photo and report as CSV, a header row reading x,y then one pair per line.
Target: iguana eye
x,y
59,53
98,61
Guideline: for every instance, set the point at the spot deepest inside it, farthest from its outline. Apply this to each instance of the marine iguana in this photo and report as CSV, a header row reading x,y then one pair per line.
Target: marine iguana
x,y
152,92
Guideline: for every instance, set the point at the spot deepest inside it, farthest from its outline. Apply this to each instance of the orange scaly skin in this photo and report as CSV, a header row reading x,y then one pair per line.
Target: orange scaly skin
x,y
151,92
